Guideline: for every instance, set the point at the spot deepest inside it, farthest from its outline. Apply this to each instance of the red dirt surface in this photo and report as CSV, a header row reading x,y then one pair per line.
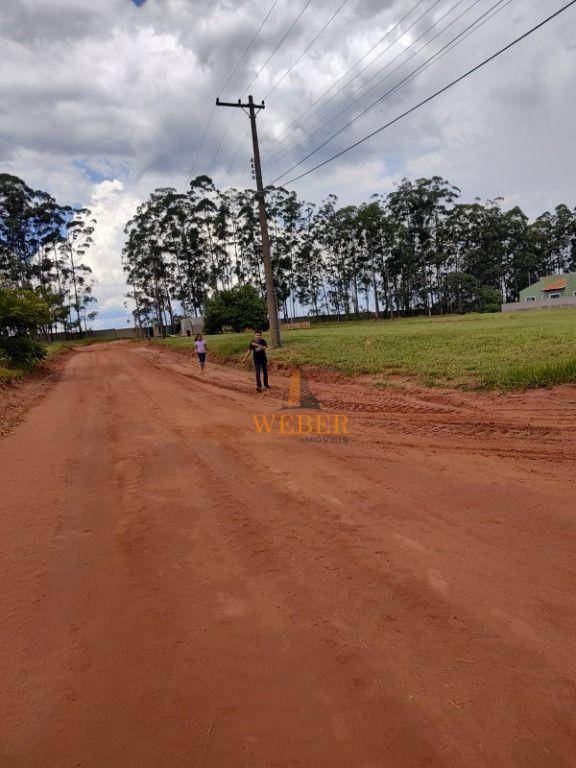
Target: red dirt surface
x,y
17,397
180,591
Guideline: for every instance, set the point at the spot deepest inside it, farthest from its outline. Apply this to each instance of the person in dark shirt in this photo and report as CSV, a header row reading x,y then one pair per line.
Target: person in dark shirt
x,y
258,348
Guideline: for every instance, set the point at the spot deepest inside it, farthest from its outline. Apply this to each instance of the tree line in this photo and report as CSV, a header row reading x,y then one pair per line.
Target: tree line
x,y
417,249
45,286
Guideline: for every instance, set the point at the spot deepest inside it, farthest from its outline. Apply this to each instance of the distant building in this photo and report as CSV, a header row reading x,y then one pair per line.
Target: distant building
x,y
192,324
550,291
182,326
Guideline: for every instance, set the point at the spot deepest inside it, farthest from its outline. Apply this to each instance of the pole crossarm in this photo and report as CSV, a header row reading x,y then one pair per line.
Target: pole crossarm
x,y
239,104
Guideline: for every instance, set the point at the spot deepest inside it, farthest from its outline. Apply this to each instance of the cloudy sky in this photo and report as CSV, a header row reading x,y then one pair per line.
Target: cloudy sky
x,y
101,101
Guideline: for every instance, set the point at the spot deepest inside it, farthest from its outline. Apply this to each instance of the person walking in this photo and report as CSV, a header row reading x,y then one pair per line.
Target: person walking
x,y
200,347
258,348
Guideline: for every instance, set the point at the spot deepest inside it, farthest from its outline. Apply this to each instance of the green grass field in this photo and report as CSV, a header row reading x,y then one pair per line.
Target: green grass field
x,y
508,351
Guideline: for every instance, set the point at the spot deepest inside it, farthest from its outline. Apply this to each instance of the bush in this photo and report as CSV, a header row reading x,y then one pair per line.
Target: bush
x,y
465,293
239,308
22,313
21,350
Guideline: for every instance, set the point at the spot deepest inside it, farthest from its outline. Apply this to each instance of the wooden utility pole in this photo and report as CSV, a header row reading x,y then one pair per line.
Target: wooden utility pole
x,y
251,110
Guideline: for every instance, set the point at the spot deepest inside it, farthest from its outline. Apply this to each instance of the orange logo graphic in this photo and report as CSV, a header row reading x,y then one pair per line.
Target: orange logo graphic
x,y
319,427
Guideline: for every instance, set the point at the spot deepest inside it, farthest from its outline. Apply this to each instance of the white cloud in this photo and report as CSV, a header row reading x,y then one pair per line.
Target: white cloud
x,y
112,206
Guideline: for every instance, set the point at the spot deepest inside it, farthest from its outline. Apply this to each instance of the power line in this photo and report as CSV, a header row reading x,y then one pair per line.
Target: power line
x,y
460,37
476,26
437,93
359,61
250,44
338,110
298,59
310,44
228,80
387,34
296,20
257,75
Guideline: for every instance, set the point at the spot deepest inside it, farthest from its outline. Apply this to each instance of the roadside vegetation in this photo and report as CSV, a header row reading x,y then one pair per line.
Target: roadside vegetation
x,y
237,308
22,313
11,371
506,351
44,285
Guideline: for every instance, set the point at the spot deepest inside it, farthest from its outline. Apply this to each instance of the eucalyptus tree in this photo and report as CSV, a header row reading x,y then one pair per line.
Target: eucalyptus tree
x,y
74,246
249,240
18,229
376,234
42,245
230,206
285,215
211,221
50,228
516,256
308,264
328,233
420,207
144,263
417,248
563,239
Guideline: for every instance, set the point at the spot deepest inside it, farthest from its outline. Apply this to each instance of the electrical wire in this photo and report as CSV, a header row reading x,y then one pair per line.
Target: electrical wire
x,y
310,44
299,58
256,76
228,80
296,20
458,38
437,93
311,109
387,34
250,44
338,110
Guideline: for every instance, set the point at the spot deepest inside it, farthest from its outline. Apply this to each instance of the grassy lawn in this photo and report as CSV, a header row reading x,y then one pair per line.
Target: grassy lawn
x,y
510,351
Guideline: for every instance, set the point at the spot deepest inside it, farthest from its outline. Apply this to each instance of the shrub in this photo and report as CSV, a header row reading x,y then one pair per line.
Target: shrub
x,y
22,313
21,350
239,308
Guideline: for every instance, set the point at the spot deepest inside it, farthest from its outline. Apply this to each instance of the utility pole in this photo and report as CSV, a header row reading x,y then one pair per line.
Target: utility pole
x,y
251,110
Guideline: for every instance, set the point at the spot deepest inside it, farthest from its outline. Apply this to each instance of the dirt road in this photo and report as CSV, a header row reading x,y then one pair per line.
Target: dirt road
x,y
179,590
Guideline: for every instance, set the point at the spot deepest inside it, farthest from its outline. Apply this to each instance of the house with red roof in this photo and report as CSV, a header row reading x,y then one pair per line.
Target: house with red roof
x,y
549,291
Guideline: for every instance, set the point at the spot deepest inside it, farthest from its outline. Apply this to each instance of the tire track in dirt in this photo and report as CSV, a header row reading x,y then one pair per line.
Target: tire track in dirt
x,y
538,426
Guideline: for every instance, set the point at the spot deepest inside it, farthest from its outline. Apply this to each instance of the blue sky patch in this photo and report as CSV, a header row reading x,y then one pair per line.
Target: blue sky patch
x,y
91,173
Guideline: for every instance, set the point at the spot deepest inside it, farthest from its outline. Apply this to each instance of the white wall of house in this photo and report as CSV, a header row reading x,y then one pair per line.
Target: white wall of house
x,y
522,306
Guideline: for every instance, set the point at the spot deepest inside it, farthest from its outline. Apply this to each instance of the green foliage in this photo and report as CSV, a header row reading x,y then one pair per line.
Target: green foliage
x,y
22,312
465,293
538,374
21,351
415,250
41,248
239,308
